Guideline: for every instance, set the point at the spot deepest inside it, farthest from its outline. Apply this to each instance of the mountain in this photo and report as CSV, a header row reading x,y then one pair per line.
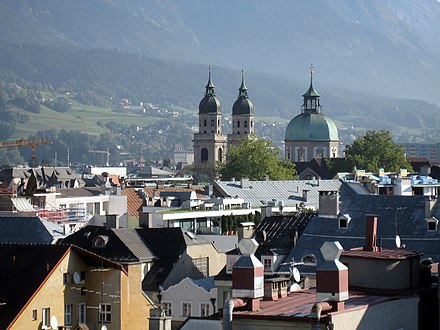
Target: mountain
x,y
382,46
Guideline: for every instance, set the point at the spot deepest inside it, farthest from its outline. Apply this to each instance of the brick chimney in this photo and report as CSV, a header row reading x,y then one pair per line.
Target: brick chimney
x,y
332,276
248,275
371,234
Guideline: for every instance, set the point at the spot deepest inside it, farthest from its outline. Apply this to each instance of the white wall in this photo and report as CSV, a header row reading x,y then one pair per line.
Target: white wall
x,y
187,291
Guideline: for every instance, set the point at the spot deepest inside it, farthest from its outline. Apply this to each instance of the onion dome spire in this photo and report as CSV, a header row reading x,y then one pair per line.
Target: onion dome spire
x,y
209,103
210,86
243,88
243,106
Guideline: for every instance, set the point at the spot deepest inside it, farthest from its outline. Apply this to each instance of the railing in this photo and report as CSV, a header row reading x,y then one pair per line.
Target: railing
x,y
71,214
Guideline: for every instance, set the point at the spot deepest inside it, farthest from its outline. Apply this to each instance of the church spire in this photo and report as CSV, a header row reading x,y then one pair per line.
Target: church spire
x,y
311,97
243,88
210,86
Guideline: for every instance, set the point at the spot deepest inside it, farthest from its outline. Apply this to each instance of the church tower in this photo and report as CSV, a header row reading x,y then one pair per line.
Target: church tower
x,y
311,134
210,145
242,116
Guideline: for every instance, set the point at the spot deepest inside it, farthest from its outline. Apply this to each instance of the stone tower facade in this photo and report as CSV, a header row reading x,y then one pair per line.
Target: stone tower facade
x,y
210,144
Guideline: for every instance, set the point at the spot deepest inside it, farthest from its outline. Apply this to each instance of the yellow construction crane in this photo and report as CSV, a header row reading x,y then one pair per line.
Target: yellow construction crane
x,y
25,143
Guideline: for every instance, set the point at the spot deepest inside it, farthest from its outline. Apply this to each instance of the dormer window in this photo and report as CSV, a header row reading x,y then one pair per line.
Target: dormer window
x,y
343,221
231,261
100,241
309,260
267,263
432,224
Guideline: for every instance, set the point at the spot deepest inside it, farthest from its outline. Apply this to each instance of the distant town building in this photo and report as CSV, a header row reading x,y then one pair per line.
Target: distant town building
x,y
182,156
431,151
311,134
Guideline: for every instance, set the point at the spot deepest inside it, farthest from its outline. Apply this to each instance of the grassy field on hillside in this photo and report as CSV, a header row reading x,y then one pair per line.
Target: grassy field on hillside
x,y
80,117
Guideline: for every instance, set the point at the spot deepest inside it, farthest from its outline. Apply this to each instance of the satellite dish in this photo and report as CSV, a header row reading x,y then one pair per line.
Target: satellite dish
x,y
295,287
103,327
296,275
53,322
398,242
76,278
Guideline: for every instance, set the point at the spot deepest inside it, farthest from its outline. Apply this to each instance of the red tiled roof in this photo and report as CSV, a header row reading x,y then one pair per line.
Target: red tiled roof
x,y
297,306
115,179
150,191
134,201
384,254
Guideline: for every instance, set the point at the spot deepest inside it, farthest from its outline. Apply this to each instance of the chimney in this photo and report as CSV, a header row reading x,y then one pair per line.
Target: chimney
x,y
381,172
371,234
305,195
328,203
429,206
145,220
332,276
111,221
245,230
425,170
248,275
245,183
403,172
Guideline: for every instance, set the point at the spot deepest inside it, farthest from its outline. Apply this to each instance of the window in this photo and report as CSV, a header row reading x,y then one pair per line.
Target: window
x,y
202,265
205,123
319,153
231,262
82,313
167,307
204,309
343,223
66,278
301,154
309,260
432,225
267,262
245,123
204,155
186,309
68,314
34,315
212,122
238,123
46,318
105,313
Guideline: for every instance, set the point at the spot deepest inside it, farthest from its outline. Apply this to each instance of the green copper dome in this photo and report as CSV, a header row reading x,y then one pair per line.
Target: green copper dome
x,y
311,126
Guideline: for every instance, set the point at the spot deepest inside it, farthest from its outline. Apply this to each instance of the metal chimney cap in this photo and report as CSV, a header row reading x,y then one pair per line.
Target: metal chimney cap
x,y
248,246
331,251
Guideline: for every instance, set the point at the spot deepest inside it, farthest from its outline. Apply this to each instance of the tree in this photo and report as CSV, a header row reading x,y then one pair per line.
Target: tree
x,y
255,158
376,150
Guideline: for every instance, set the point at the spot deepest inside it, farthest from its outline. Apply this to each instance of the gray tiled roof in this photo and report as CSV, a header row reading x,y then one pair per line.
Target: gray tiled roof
x,y
135,244
290,192
28,229
207,283
411,226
